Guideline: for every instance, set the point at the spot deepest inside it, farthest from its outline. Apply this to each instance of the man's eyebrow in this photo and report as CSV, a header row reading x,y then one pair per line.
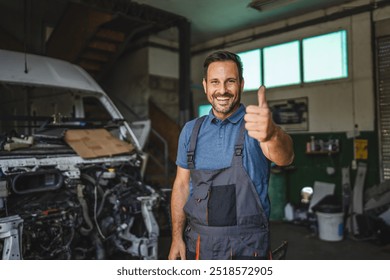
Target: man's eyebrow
x,y
227,79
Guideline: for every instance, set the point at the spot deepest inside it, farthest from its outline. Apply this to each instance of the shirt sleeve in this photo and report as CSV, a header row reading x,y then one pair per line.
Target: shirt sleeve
x,y
184,139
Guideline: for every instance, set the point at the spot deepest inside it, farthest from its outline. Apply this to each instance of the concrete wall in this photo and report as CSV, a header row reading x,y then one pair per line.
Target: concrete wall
x,y
164,80
147,73
128,83
164,63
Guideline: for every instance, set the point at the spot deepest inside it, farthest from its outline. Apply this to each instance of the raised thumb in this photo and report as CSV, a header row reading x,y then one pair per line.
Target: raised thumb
x,y
261,97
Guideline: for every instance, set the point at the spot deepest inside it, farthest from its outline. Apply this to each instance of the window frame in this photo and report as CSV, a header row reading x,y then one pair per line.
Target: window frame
x,y
346,61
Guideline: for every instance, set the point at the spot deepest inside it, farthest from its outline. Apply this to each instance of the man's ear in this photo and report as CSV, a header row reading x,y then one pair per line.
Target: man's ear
x,y
242,85
204,85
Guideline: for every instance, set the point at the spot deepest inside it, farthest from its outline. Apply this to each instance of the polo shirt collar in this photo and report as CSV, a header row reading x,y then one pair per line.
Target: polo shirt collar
x,y
234,118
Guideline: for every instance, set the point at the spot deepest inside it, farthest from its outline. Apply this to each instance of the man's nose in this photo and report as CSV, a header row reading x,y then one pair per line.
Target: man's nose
x,y
222,87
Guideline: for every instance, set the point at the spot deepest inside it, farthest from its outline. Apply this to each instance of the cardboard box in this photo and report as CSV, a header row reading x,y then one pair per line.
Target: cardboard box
x,y
94,143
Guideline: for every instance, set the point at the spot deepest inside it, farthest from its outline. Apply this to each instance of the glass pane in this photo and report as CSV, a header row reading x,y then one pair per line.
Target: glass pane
x,y
282,64
325,57
251,63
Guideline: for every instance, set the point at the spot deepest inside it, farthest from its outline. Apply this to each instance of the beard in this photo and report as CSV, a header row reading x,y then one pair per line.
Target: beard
x,y
225,103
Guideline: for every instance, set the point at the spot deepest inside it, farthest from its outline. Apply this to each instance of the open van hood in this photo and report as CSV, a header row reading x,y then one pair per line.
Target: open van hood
x,y
30,69
45,72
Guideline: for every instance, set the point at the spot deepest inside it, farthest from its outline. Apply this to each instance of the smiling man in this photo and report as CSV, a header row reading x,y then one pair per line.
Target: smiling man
x,y
220,193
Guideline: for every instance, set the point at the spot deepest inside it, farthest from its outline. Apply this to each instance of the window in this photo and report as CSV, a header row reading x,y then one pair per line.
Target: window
x,y
312,59
251,63
282,64
204,109
325,57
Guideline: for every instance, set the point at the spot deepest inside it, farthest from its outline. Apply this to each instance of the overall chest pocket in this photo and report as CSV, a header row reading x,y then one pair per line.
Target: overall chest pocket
x,y
222,206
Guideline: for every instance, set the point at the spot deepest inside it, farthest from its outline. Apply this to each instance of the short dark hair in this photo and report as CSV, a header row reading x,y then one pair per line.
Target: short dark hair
x,y
223,56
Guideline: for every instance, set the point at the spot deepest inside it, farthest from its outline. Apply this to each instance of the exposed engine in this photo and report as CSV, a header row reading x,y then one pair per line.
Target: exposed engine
x,y
106,213
71,168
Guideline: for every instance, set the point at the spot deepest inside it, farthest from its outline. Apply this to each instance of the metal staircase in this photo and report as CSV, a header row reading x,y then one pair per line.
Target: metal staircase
x,y
95,38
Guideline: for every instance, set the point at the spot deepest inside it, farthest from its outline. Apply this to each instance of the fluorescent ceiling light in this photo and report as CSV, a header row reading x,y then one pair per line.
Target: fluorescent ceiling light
x,y
262,5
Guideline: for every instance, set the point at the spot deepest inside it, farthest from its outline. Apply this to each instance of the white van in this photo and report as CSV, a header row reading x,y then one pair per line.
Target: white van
x,y
71,168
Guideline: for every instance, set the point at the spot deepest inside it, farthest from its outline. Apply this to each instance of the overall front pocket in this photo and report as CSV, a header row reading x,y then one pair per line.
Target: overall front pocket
x,y
222,208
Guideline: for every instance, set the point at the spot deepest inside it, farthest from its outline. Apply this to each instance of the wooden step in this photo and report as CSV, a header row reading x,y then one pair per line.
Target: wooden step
x,y
95,56
103,46
110,35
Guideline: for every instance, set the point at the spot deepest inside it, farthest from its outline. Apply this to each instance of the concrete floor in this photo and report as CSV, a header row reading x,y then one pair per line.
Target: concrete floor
x,y
304,244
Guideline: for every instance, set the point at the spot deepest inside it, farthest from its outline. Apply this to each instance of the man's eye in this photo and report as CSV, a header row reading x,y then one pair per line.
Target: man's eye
x,y
214,82
232,81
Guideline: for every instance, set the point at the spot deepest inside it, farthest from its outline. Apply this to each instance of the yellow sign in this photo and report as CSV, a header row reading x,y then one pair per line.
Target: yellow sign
x,y
361,148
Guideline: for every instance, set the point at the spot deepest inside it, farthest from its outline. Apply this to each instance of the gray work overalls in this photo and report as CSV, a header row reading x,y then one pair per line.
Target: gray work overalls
x,y
225,217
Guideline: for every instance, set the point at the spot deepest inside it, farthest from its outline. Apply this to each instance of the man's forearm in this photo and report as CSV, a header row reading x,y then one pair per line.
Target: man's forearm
x,y
279,148
178,222
178,199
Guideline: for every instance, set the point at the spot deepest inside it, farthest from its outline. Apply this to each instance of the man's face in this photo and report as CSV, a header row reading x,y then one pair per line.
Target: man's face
x,y
223,88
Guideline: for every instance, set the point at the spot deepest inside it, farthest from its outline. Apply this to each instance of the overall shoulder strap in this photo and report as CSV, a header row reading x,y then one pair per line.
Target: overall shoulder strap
x,y
239,146
193,140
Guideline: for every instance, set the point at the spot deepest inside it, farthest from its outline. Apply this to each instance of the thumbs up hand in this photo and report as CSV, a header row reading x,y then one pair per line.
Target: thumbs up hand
x,y
258,119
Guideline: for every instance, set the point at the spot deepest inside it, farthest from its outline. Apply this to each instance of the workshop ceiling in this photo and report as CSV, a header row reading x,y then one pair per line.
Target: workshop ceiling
x,y
208,18
94,33
214,18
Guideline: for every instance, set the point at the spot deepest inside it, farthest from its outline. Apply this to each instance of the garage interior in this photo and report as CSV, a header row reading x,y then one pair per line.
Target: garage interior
x,y
148,54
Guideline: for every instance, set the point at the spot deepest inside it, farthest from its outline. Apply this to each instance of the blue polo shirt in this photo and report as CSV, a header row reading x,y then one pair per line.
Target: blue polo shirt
x,y
215,146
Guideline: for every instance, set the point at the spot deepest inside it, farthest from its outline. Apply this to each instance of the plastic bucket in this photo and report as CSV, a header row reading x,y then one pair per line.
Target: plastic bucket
x,y
330,226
